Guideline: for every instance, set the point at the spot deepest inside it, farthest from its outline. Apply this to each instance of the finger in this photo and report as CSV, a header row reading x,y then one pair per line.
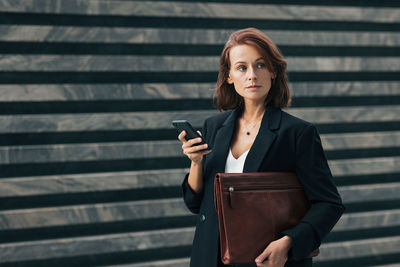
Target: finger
x,y
195,149
264,255
203,152
207,152
314,253
192,142
195,140
182,135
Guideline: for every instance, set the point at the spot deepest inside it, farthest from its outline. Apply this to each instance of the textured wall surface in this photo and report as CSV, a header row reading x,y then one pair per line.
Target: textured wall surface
x,y
90,167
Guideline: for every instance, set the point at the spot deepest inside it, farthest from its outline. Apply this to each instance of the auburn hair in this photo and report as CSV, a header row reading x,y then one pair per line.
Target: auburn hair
x,y
279,94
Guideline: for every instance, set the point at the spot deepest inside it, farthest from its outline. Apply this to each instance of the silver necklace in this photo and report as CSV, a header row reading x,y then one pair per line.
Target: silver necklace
x,y
251,128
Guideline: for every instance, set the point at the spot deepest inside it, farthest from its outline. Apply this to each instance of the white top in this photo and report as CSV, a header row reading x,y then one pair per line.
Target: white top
x,y
235,165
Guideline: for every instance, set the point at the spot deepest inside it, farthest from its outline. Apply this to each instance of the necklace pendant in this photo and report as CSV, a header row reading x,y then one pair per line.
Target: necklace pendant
x,y
248,133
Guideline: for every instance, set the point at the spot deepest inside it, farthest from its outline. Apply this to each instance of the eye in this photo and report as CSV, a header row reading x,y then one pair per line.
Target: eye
x,y
260,65
241,68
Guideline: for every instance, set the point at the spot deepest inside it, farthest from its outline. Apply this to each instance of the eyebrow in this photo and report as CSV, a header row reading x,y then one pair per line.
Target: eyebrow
x,y
245,62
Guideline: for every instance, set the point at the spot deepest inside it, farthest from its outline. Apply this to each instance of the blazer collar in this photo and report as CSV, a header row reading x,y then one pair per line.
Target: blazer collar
x,y
264,139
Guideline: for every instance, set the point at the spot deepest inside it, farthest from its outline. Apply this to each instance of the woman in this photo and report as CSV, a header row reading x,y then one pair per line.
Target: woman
x,y
254,134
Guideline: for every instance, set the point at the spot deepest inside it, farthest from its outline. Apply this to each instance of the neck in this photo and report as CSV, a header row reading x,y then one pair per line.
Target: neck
x,y
252,112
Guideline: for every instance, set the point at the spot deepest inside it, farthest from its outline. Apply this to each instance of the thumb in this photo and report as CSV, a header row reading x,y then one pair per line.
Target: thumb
x,y
264,255
200,133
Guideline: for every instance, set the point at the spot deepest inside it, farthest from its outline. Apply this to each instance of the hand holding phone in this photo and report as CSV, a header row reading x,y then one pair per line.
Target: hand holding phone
x,y
191,133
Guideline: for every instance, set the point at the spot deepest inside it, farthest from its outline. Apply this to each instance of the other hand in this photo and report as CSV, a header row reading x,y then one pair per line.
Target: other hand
x,y
275,254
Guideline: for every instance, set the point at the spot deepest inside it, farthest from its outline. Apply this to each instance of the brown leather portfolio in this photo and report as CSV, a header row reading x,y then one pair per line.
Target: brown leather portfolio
x,y
253,209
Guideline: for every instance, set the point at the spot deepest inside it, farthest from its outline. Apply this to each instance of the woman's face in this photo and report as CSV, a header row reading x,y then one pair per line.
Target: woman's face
x,y
249,73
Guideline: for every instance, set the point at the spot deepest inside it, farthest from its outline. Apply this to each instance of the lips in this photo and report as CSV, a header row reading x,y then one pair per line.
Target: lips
x,y
253,87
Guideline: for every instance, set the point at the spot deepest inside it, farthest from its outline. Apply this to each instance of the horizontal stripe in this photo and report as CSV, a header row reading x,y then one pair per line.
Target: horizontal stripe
x,y
92,182
89,152
116,106
97,182
27,48
360,169
339,167
156,254
368,193
69,231
146,36
387,265
367,152
373,222
51,77
372,259
336,115
148,240
101,153
95,197
140,180
151,209
84,92
358,127
76,230
183,63
358,248
165,263
206,10
196,23
370,166
162,120
344,101
74,215
36,250
106,121
342,89
100,136
153,91
363,3
145,180
56,107
367,179
57,168
365,220
156,149
360,140
377,232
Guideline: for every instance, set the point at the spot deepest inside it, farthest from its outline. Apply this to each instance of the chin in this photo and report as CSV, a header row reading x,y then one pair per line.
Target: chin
x,y
255,96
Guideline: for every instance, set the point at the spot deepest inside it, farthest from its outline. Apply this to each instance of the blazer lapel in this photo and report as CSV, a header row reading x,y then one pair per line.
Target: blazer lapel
x,y
223,140
264,139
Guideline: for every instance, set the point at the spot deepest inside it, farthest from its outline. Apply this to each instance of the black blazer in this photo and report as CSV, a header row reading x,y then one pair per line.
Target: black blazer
x,y
283,143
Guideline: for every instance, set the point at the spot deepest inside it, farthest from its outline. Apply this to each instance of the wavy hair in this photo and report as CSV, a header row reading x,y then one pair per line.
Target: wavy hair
x,y
279,94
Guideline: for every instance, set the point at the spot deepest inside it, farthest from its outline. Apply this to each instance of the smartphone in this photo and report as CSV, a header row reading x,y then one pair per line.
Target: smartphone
x,y
191,133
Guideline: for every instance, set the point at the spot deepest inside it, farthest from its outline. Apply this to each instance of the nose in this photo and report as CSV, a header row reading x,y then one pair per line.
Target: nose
x,y
252,76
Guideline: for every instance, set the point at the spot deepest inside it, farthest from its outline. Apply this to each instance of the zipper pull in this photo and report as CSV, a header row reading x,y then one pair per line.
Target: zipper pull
x,y
231,190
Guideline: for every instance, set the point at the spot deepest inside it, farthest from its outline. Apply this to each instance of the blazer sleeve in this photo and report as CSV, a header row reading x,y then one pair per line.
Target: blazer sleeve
x,y
326,204
191,198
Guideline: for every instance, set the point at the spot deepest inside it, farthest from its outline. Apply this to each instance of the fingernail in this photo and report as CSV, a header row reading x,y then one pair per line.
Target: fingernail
x,y
257,260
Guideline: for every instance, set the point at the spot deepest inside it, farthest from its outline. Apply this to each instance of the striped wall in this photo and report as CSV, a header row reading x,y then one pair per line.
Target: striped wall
x,y
90,167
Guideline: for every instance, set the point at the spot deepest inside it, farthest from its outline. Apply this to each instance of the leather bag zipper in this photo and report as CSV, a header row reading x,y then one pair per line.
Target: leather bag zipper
x,y
232,189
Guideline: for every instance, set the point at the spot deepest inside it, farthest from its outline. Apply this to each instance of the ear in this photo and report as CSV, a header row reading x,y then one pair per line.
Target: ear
x,y
273,75
229,80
